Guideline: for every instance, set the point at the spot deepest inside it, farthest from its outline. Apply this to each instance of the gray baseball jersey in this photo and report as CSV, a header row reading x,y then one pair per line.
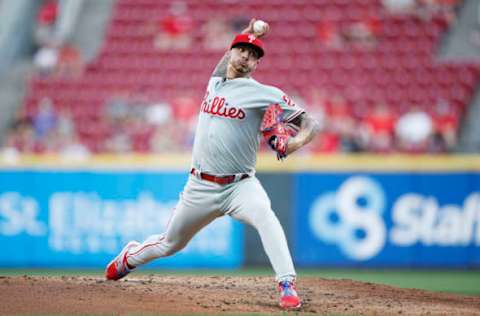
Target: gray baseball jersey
x,y
228,129
226,143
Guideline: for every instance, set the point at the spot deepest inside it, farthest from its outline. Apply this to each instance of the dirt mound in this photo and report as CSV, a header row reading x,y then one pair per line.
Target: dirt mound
x,y
217,295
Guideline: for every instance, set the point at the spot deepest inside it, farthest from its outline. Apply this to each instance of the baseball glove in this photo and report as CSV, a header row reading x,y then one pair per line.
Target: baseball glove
x,y
275,131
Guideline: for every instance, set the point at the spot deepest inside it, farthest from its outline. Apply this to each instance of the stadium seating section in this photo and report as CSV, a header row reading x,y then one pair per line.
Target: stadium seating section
x,y
401,68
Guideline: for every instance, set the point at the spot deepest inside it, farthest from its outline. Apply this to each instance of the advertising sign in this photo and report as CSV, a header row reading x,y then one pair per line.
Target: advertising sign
x,y
387,219
71,218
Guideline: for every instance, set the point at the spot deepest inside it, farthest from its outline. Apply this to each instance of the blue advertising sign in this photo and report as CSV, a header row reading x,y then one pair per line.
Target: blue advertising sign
x,y
387,219
83,219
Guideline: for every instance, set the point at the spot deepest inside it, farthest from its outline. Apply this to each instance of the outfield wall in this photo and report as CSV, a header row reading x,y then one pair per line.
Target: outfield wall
x,y
336,210
419,219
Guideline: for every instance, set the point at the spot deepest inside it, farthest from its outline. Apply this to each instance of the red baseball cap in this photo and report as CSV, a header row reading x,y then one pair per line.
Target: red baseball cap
x,y
251,40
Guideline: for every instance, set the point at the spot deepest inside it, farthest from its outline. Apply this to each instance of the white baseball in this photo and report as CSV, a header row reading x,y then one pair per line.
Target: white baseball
x,y
259,27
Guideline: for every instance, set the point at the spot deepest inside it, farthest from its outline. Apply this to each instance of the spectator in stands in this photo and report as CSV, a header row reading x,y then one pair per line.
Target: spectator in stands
x,y
64,61
117,112
117,107
46,56
138,128
159,113
45,27
326,142
363,33
45,60
436,144
9,153
65,127
72,149
424,9
58,126
70,61
175,30
45,120
132,117
55,54
341,122
166,138
378,129
315,105
20,135
350,141
443,9
120,142
339,131
400,6
329,35
445,122
413,130
185,110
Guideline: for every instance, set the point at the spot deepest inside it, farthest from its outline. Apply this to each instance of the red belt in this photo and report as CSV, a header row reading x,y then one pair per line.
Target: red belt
x,y
222,180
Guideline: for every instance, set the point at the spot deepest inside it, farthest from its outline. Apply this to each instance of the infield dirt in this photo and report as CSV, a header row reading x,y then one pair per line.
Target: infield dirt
x,y
160,295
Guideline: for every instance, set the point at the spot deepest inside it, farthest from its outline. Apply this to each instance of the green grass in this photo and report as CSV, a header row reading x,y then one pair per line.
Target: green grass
x,y
455,281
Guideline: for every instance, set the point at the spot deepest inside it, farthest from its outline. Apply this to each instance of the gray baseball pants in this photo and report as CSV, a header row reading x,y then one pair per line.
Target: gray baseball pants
x,y
203,201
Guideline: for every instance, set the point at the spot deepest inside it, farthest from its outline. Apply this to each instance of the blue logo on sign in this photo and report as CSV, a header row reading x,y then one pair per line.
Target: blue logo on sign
x,y
351,218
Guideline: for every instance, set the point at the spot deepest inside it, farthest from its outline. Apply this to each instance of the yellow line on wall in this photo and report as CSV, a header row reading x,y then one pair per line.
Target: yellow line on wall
x,y
360,162
266,162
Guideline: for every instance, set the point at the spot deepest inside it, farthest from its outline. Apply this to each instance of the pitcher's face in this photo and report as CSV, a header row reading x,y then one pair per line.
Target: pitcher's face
x,y
244,60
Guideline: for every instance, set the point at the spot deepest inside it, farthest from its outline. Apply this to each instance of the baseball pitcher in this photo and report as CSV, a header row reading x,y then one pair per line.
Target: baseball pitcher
x,y
236,113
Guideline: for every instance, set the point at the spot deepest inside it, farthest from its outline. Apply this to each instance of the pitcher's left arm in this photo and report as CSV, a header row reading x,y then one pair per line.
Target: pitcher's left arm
x,y
309,128
279,133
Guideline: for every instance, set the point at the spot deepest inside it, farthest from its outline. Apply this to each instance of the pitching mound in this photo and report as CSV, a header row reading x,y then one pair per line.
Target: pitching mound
x,y
217,295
